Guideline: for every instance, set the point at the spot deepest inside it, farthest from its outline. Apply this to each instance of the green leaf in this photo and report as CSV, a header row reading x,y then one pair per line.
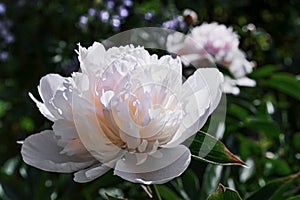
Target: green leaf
x,y
294,198
275,189
191,183
238,112
263,71
209,149
210,180
166,193
285,83
296,139
268,128
224,193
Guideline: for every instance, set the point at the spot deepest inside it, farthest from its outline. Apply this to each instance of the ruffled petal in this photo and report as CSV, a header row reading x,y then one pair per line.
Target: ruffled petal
x,y
90,130
49,85
201,95
91,173
41,151
42,108
65,129
91,59
155,170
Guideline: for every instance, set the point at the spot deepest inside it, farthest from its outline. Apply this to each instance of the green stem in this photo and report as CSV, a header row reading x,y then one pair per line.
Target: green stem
x,y
157,195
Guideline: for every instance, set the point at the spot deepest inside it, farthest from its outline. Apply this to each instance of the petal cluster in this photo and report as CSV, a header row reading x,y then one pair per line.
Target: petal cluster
x,y
215,43
125,110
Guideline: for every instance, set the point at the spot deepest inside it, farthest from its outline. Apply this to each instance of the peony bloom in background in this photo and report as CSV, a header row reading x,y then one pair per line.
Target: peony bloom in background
x,y
126,110
218,44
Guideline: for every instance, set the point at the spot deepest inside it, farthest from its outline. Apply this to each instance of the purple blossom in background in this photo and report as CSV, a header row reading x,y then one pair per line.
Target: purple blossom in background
x,y
2,8
92,12
110,4
128,3
177,23
116,22
148,16
104,16
111,12
6,37
83,20
3,55
123,12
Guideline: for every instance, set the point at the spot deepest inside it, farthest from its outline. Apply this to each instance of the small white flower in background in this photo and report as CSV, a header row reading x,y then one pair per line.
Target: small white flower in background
x,y
217,44
127,110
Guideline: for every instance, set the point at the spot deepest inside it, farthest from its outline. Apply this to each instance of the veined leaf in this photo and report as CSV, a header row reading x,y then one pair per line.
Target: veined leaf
x,y
209,149
224,193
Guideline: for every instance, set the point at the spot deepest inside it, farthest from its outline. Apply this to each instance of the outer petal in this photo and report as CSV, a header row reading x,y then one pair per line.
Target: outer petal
x,y
41,151
49,84
201,95
213,79
229,86
90,173
91,59
154,170
240,66
65,129
42,108
245,81
90,131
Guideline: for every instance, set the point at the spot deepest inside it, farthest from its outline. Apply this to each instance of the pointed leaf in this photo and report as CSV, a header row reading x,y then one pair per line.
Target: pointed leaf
x,y
209,149
224,193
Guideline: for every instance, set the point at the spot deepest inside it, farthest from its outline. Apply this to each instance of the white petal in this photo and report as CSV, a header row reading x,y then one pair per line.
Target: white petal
x,y
245,81
92,59
42,108
201,95
48,86
90,173
65,129
229,86
62,100
172,63
90,131
106,97
213,79
41,151
155,170
240,66
130,134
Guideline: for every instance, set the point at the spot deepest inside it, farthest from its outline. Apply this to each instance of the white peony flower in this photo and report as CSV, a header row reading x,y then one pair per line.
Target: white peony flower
x,y
127,110
213,42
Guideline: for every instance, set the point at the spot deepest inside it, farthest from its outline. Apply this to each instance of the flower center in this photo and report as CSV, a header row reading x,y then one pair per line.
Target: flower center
x,y
139,119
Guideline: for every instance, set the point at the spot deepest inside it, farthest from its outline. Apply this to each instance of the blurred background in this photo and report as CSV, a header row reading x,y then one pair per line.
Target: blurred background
x,y
262,125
